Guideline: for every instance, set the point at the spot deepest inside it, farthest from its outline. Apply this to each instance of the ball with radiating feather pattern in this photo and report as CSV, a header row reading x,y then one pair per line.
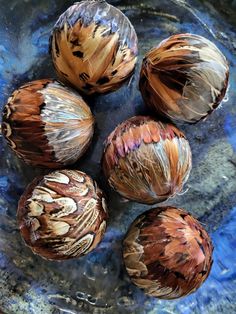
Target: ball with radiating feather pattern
x,y
167,253
184,78
94,47
47,124
62,215
146,160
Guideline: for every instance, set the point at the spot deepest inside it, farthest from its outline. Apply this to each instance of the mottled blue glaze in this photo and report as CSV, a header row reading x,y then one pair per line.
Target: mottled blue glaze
x,y
98,283
230,128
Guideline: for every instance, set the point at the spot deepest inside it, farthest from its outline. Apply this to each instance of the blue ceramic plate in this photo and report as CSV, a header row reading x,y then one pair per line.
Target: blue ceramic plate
x,y
98,283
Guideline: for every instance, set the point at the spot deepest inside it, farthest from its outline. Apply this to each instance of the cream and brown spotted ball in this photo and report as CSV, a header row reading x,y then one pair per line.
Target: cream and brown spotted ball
x,y
167,253
47,124
94,47
62,215
146,160
184,78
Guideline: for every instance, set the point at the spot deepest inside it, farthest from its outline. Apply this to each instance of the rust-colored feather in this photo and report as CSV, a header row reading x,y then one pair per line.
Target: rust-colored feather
x,y
146,160
167,253
184,78
46,124
62,215
20,119
94,53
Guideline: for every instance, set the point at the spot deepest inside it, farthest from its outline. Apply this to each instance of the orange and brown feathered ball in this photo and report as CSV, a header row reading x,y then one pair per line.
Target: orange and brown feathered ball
x,y
167,253
62,215
146,160
46,124
94,47
184,78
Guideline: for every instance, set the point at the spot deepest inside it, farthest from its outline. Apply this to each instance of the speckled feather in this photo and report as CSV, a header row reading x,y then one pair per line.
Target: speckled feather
x,y
146,160
94,47
62,215
184,78
167,253
47,124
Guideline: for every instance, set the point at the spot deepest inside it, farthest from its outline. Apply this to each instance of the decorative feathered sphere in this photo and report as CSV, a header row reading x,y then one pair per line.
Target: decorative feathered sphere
x,y
167,253
46,124
94,47
184,78
62,215
147,161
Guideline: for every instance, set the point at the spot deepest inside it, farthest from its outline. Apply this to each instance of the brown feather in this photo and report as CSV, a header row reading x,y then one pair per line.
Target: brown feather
x,y
69,211
93,56
146,161
46,124
167,253
184,78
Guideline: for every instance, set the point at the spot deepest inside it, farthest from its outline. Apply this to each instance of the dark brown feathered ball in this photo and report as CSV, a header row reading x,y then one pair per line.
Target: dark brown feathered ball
x,y
146,160
167,253
94,47
184,78
62,215
46,124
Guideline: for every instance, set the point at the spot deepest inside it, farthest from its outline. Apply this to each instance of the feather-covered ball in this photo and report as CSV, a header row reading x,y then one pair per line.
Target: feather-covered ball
x,y
62,215
147,161
184,78
94,47
167,253
46,124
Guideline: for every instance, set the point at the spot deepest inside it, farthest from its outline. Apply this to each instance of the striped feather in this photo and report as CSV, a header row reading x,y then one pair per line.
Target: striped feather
x,y
68,224
46,124
184,78
96,54
147,161
167,253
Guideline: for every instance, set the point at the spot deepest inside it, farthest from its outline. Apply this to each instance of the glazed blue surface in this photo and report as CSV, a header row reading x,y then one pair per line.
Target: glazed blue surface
x,y
98,282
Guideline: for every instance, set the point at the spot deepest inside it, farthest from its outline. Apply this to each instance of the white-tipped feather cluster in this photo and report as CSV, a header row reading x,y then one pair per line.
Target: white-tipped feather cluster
x,y
184,78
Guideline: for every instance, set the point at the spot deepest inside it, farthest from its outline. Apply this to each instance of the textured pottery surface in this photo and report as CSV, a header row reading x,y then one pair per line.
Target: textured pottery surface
x,y
98,283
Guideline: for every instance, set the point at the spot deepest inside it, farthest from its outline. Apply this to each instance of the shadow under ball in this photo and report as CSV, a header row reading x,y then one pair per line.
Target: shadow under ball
x,y
62,215
167,253
147,161
94,47
47,124
184,78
